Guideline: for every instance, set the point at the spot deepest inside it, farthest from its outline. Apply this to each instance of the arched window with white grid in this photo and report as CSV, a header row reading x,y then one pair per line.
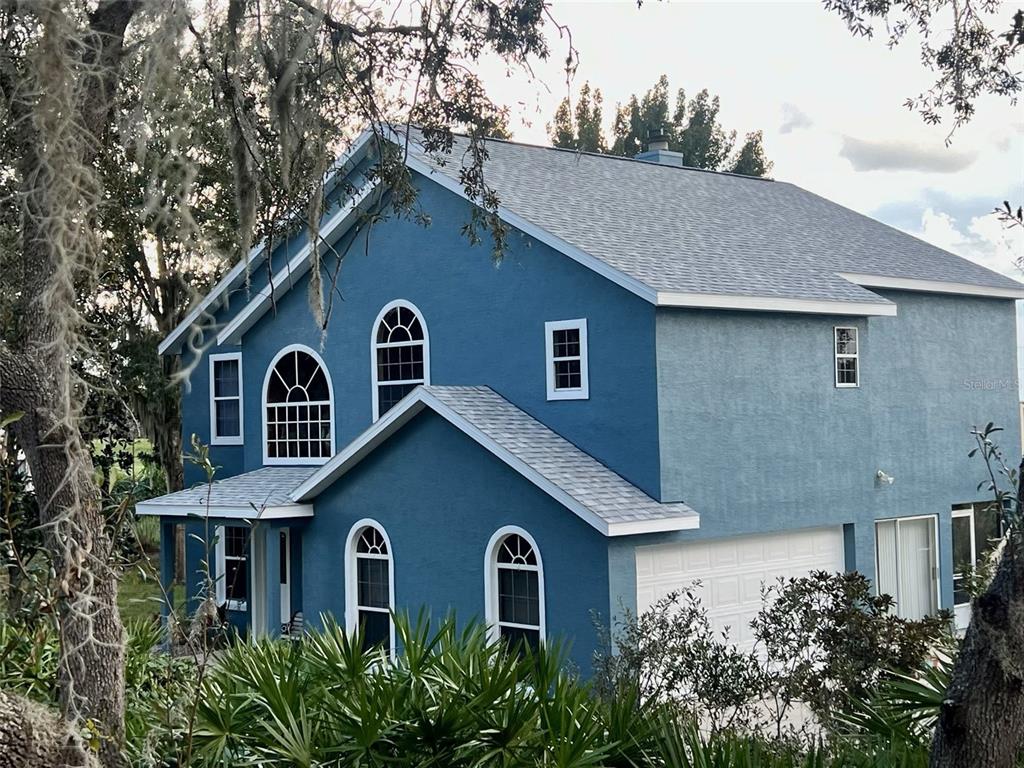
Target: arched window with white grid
x,y
298,409
514,588
400,349
370,584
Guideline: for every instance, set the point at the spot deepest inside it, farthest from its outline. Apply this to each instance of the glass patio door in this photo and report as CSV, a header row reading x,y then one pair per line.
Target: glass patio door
x,y
907,564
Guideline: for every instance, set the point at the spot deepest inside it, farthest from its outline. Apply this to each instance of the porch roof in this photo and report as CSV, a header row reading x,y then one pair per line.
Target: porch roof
x,y
262,494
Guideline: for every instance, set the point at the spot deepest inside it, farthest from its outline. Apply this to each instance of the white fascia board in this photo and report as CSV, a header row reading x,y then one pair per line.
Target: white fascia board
x,y
688,522
931,286
286,278
776,304
513,219
227,283
279,512
258,253
421,398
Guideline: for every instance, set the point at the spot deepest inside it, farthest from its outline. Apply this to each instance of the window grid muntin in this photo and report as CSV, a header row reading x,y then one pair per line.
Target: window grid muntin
x,y
567,358
846,347
399,351
236,566
372,590
297,425
517,566
226,407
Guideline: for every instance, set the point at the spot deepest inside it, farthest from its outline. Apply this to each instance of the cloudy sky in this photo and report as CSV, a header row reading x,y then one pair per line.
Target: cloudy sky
x,y
830,106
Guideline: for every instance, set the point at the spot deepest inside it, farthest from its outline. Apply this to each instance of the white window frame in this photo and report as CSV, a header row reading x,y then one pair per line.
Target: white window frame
x,y
220,583
216,439
491,611
937,580
374,346
968,512
352,607
583,391
846,356
308,461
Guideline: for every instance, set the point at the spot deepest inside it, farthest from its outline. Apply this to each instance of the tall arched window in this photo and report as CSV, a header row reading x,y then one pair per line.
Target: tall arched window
x,y
370,584
297,409
401,355
515,588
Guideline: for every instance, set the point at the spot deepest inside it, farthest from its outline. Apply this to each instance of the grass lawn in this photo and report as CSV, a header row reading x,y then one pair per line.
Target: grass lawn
x,y
139,594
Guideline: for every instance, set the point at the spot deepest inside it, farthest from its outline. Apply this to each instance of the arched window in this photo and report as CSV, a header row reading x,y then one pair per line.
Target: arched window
x,y
370,584
515,588
401,355
297,409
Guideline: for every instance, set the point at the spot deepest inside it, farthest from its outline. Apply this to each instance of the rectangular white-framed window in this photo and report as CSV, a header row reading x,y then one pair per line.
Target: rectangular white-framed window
x,y
847,351
232,576
977,529
907,564
566,350
226,398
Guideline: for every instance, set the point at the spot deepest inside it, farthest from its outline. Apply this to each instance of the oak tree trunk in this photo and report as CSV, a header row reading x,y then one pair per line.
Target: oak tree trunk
x,y
35,366
981,722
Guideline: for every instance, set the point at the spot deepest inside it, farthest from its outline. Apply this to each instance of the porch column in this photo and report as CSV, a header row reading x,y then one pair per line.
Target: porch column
x,y
271,577
168,563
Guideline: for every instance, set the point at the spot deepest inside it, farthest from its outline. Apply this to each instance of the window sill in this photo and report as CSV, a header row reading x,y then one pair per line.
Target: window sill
x,y
569,394
227,441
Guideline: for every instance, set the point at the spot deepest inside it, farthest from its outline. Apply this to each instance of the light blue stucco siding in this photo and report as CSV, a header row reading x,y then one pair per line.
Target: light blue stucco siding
x,y
486,327
440,497
756,437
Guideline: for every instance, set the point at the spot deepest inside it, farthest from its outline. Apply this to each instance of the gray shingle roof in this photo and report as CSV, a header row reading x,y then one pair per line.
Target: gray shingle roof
x,y
691,231
266,487
590,483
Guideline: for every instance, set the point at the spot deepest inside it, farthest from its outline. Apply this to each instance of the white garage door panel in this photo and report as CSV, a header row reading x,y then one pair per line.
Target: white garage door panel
x,y
731,571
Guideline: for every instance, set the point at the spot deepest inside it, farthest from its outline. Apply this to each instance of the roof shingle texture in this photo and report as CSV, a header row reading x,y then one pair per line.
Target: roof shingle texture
x,y
266,487
600,490
691,231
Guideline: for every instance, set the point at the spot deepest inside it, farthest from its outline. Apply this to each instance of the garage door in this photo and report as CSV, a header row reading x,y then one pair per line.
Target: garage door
x,y
732,571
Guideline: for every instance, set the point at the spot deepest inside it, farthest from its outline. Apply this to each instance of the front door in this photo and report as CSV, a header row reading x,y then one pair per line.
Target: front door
x,y
286,576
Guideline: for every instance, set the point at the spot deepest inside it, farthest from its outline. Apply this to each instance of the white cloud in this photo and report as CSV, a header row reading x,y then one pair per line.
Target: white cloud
x,y
889,155
986,240
793,119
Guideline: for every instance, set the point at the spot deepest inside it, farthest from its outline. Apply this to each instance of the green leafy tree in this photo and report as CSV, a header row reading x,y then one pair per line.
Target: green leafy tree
x,y
692,128
579,128
286,81
751,159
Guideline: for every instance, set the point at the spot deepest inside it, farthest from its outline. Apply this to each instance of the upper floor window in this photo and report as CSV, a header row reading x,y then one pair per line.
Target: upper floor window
x,y
515,588
370,585
847,357
232,553
567,374
226,398
297,407
401,355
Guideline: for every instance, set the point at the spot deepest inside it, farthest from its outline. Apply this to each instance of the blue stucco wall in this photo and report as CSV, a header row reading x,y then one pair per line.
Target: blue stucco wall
x,y
440,497
486,326
756,437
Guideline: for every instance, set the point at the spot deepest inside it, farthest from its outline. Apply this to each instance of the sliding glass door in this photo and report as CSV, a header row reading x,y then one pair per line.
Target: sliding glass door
x,y
907,564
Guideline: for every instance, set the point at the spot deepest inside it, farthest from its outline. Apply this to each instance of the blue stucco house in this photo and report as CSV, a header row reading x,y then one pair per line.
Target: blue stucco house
x,y
671,375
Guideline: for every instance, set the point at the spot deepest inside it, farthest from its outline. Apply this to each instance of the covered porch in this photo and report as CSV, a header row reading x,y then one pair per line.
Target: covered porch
x,y
243,548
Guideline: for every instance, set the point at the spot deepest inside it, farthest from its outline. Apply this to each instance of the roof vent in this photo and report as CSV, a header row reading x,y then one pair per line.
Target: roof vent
x,y
658,151
657,140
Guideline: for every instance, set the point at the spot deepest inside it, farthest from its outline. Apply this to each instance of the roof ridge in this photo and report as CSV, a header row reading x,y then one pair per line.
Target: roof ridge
x,y
607,156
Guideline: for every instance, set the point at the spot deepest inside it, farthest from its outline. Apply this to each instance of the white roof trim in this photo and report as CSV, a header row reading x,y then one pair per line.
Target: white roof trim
x,y
413,404
286,278
228,282
256,255
931,286
233,512
776,304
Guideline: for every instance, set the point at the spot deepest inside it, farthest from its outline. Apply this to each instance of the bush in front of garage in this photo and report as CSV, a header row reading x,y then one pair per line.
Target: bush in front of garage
x,y
822,643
